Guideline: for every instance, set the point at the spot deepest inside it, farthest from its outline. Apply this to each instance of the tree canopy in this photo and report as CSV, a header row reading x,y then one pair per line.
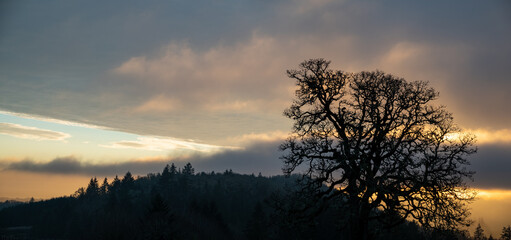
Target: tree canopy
x,y
375,141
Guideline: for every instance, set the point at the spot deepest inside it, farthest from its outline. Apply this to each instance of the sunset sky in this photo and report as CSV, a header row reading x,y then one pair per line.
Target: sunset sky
x,y
94,88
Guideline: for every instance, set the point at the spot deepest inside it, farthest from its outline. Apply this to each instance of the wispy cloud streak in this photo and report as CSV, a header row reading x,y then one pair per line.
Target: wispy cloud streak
x,y
34,133
52,120
165,144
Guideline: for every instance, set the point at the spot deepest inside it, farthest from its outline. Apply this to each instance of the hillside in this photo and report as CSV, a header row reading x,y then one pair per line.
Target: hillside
x,y
180,205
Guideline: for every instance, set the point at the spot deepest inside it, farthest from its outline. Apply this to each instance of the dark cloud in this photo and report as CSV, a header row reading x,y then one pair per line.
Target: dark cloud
x,y
261,157
72,165
64,165
492,164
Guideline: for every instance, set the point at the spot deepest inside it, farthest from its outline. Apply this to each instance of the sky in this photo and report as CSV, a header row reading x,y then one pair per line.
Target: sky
x,y
94,88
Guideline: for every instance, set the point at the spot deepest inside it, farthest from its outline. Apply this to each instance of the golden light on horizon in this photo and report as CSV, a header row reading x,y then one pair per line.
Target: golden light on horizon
x,y
491,210
485,136
496,194
23,185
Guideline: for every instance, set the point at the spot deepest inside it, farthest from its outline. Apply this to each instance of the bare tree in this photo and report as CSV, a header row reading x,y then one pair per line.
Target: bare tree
x,y
376,144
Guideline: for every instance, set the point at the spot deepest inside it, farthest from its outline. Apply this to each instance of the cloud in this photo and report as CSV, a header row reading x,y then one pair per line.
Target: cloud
x,y
251,138
159,103
52,120
491,164
261,157
166,144
415,60
497,194
248,76
222,78
161,72
64,165
33,133
486,136
72,165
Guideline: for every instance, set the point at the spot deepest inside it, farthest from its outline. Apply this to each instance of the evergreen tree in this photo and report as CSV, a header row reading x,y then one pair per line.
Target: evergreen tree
x,y
79,193
114,187
165,176
479,233
173,169
188,169
104,187
93,188
506,233
166,170
128,180
126,193
113,190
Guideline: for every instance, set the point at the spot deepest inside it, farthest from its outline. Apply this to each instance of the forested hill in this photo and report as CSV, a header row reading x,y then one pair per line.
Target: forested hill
x,y
173,204
177,204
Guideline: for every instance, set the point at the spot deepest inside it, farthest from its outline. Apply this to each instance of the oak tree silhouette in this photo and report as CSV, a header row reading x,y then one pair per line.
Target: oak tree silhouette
x,y
376,144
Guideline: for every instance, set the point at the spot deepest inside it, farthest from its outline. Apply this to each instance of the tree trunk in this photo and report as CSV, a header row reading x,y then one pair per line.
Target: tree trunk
x,y
359,222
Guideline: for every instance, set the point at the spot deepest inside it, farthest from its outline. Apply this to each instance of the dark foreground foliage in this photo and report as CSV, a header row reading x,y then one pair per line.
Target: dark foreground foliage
x,y
184,205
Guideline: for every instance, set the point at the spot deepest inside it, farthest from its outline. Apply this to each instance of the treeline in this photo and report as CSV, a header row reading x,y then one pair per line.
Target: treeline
x,y
174,204
480,235
180,204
